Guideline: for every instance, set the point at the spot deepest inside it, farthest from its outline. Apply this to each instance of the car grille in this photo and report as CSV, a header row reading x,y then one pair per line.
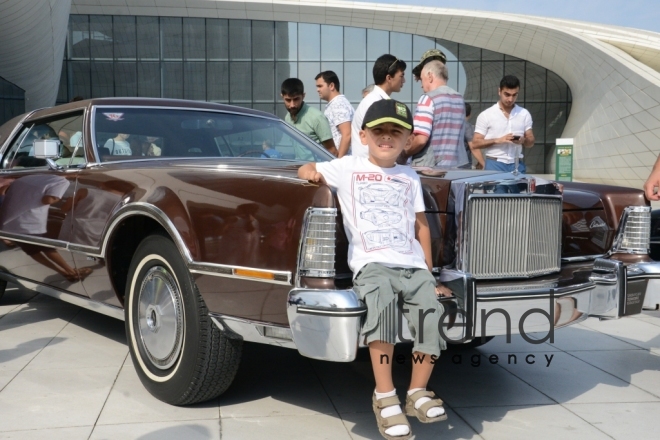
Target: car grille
x,y
513,236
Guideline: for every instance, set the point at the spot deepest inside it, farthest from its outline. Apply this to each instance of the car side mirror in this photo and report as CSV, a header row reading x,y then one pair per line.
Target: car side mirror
x,y
46,148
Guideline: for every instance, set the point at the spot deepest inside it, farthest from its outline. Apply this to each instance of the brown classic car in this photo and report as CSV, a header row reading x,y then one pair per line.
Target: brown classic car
x,y
169,215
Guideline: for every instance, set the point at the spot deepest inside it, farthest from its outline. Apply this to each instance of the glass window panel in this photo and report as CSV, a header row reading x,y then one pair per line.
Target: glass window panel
x,y
534,83
332,43
172,38
449,48
149,79
468,53
283,71
306,73
512,58
217,81
421,45
263,87
452,71
537,110
100,31
172,80
79,79
355,44
194,76
102,79
79,37
569,95
517,69
309,42
556,88
491,56
461,77
265,107
355,79
240,82
217,39
401,46
555,121
472,85
126,79
125,38
491,75
378,43
240,42
148,38
263,40
63,90
194,39
286,41
280,110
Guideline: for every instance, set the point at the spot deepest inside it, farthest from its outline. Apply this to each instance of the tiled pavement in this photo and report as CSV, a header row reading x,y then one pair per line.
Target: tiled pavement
x,y
65,373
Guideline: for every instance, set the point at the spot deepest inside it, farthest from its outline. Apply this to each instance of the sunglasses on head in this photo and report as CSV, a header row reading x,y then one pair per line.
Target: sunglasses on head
x,y
393,65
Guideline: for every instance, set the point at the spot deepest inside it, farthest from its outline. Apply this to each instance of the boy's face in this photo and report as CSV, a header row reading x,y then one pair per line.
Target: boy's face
x,y
385,142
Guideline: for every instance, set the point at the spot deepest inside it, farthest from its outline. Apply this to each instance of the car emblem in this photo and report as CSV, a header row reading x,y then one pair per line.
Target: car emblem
x,y
114,116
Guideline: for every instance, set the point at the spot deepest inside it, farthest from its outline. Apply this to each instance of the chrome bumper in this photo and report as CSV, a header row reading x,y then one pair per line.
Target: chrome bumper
x,y
611,290
325,324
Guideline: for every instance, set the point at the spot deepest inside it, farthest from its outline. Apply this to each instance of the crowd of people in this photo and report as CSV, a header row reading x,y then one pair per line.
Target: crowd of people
x,y
442,134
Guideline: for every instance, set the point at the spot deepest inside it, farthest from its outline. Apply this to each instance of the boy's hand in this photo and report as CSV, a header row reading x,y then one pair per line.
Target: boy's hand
x,y
308,172
441,290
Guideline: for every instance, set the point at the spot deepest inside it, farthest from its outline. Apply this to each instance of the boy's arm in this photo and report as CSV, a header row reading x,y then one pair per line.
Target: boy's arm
x,y
423,235
308,172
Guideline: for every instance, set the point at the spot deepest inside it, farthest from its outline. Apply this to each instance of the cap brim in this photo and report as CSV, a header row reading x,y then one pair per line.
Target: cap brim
x,y
388,119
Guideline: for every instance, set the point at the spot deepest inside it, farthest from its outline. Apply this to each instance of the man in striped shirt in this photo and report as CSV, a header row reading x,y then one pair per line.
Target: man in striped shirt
x,y
439,122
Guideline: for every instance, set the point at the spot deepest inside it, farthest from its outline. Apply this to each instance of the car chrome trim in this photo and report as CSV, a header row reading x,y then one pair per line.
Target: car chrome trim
x,y
252,331
19,126
325,324
30,239
223,270
617,243
582,258
71,298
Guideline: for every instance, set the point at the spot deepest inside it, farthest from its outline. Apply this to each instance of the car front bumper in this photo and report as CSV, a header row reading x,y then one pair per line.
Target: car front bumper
x,y
325,324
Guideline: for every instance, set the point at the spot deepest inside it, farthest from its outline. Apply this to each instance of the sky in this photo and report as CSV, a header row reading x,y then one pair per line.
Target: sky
x,y
640,14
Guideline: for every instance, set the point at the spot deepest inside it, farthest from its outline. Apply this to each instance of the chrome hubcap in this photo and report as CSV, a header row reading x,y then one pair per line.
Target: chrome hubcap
x,y
160,315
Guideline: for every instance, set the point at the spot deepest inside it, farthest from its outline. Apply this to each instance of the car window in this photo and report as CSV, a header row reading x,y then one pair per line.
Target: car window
x,y
65,129
140,133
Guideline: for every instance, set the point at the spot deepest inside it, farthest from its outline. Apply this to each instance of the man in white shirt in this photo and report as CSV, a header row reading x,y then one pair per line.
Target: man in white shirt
x,y
338,110
502,128
389,77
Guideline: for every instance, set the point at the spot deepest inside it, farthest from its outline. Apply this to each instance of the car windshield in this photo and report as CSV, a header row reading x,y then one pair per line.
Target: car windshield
x,y
123,133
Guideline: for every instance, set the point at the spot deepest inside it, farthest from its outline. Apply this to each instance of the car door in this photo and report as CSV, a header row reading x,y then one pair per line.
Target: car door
x,y
36,200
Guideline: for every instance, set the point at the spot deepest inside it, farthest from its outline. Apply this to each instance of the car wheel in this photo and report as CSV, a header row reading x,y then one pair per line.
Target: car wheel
x,y
180,355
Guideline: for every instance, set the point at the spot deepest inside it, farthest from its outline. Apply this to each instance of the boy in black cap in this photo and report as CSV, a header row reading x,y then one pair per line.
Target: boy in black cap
x,y
390,256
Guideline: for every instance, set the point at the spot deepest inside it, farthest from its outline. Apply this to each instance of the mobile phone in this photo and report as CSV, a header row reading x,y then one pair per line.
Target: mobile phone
x,y
516,138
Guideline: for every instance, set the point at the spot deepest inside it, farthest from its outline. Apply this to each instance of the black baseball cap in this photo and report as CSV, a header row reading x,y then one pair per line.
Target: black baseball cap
x,y
388,110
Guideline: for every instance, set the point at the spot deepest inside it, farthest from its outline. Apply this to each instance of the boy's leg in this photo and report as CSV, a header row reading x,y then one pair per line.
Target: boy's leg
x,y
381,361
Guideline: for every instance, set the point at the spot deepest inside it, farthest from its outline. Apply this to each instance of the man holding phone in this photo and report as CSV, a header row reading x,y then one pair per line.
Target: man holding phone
x,y
502,129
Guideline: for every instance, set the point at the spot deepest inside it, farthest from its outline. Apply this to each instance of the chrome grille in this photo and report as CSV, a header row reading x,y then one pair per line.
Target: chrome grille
x,y
317,243
513,236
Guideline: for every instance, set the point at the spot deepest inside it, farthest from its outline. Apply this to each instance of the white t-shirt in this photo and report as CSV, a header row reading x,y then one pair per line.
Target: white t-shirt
x,y
338,110
357,149
23,210
118,148
378,206
493,124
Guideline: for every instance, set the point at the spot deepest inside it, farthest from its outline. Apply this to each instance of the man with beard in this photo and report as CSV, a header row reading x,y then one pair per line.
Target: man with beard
x,y
307,119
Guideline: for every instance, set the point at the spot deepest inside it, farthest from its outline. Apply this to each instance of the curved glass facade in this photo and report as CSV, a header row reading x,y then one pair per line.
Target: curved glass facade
x,y
243,62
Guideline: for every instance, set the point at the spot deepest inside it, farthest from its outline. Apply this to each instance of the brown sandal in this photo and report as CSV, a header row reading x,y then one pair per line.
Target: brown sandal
x,y
387,422
421,412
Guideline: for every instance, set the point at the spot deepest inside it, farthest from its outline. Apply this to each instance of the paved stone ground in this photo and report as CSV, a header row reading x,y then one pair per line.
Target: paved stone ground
x,y
65,373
